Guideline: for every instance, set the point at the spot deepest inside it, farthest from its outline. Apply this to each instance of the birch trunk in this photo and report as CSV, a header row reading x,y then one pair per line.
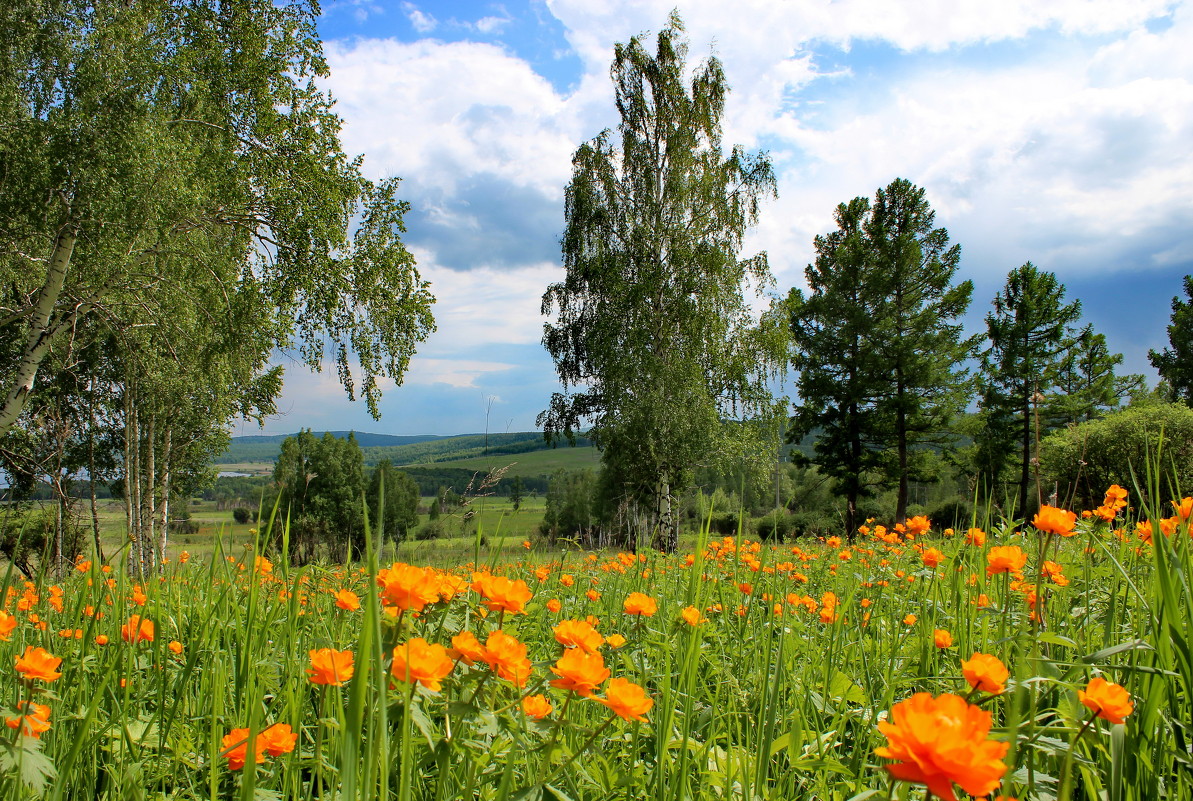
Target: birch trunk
x,y
41,332
163,526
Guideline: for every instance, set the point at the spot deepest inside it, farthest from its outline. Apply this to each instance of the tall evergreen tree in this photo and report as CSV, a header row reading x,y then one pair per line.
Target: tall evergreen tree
x,y
1175,363
1026,331
1086,383
651,321
877,343
834,352
918,334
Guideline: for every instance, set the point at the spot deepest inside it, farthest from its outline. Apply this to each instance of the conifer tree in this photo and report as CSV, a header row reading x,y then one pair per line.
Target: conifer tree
x,y
1026,331
1175,363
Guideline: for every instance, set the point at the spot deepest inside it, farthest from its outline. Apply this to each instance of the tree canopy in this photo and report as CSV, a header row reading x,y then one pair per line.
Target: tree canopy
x,y
144,169
1175,363
652,339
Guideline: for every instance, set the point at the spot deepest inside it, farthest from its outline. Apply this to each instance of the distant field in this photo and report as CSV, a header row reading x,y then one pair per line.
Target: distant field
x,y
534,463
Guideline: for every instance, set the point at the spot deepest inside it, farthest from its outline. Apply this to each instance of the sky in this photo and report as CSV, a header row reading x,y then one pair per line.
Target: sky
x,y
1053,132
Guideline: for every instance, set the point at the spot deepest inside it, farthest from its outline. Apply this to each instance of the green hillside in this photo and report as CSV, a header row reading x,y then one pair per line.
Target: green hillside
x,y
534,463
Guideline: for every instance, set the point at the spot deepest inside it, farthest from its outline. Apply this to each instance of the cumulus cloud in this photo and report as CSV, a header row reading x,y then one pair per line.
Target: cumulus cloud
x,y
421,20
1056,132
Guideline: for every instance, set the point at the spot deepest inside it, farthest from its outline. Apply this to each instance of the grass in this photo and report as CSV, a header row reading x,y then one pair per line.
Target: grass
x,y
775,690
534,463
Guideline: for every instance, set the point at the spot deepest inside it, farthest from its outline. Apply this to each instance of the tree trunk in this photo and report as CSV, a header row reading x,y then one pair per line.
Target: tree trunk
x,y
163,526
99,550
41,332
1025,468
148,540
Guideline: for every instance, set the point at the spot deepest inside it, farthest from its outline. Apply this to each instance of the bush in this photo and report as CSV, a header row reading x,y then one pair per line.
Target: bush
x,y
431,530
956,514
774,527
241,515
1082,461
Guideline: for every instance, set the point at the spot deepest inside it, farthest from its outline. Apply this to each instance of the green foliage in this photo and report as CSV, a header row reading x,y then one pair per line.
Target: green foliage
x,y
1026,333
571,506
151,181
1086,384
1082,461
1175,363
401,502
877,344
322,483
653,341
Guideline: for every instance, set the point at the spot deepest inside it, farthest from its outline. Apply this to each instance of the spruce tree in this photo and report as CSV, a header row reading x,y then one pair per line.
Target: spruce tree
x,y
1026,331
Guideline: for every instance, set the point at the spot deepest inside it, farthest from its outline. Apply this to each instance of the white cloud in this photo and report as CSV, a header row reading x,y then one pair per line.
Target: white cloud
x,y
421,20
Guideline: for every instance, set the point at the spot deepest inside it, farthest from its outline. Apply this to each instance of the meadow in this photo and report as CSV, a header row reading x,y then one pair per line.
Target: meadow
x,y
1040,659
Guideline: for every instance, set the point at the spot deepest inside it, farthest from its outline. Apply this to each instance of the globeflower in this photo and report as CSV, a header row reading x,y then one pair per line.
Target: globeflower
x,y
536,706
638,603
578,634
36,720
38,663
975,537
1005,559
408,587
278,739
506,656
932,557
235,745
940,742
985,672
1051,520
330,667
422,662
691,615
467,648
347,600
1110,701
501,594
580,672
136,629
942,638
7,624
627,700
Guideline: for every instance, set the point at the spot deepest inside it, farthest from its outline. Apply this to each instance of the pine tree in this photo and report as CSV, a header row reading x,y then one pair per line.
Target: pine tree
x,y
1175,363
1026,333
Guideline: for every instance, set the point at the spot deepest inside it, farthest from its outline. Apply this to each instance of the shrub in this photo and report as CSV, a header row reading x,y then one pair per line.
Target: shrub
x,y
773,527
955,513
1083,460
241,515
431,530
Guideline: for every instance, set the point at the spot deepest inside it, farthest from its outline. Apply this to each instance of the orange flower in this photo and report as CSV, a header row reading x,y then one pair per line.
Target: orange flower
x,y
501,594
408,587
1005,559
136,629
278,739
1184,508
347,600
580,672
467,648
578,634
985,672
942,638
553,606
36,719
910,620
976,537
507,657
638,603
932,557
627,699
7,624
941,741
1110,701
421,661
330,667
175,647
38,663
1051,520
102,639
615,641
691,615
536,706
592,595
918,525
235,745
567,580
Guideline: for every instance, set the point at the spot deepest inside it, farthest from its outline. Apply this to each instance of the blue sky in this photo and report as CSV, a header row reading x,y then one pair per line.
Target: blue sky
x,y
1052,132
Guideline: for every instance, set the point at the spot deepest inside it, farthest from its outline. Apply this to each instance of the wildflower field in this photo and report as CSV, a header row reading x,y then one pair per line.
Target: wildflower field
x,y
1038,659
